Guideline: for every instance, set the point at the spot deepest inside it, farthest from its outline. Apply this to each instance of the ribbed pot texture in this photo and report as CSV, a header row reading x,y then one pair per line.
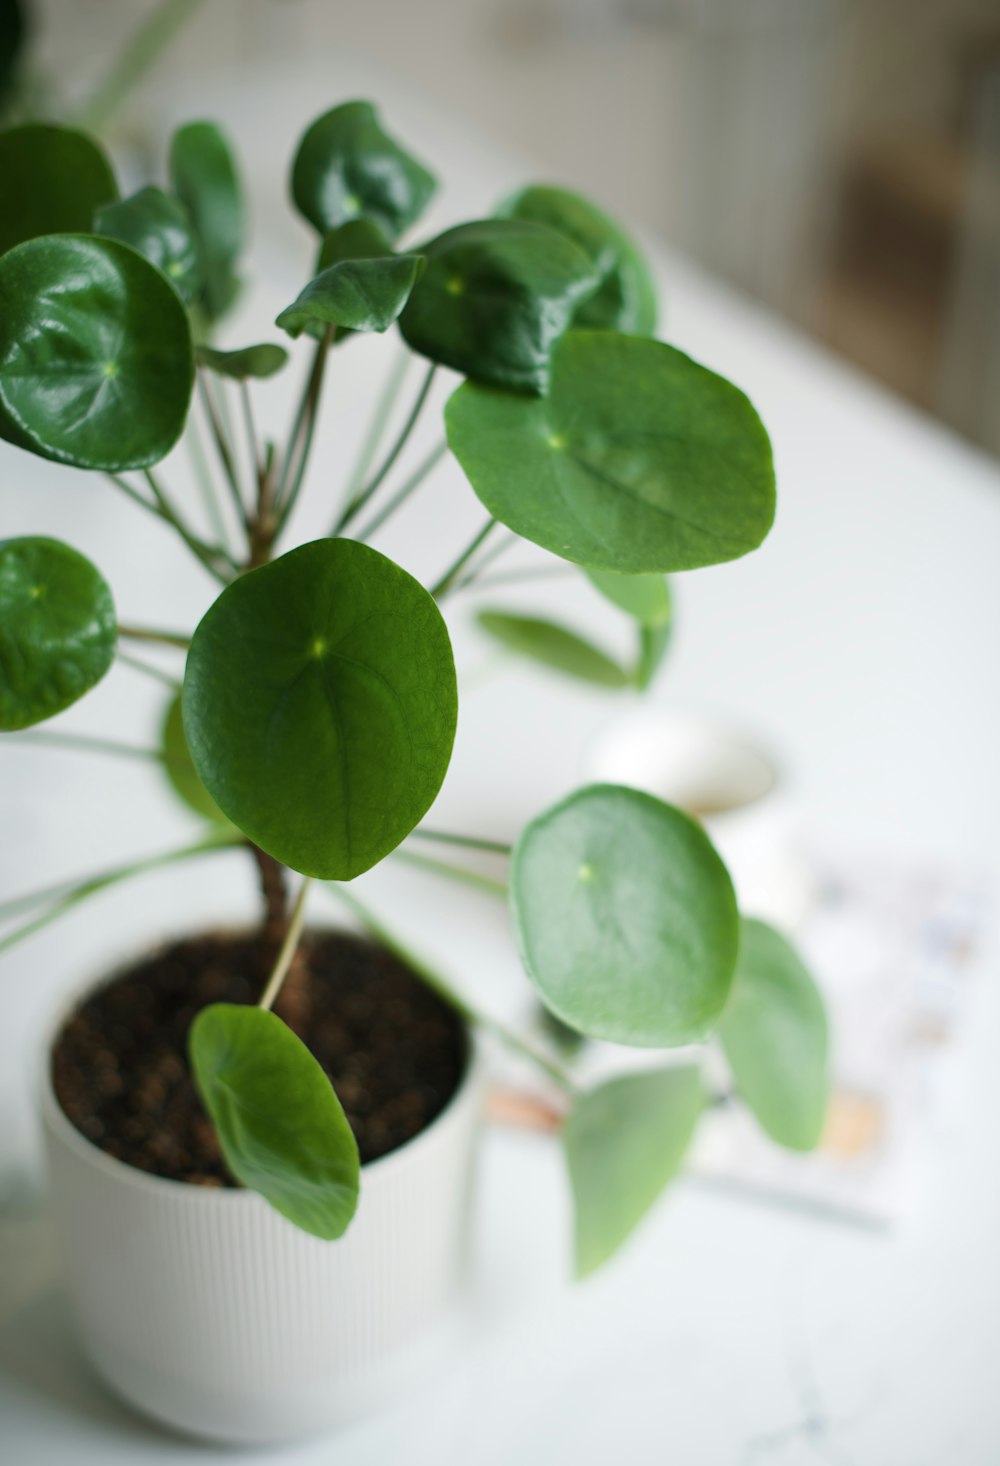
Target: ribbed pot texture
x,y
211,1313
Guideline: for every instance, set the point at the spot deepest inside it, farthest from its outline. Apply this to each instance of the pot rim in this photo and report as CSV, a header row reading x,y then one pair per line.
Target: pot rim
x,y
56,1119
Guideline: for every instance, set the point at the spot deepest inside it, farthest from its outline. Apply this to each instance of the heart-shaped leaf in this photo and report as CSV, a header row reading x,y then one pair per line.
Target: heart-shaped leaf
x,y
262,360
644,597
180,769
494,298
625,299
624,1142
204,177
57,629
54,178
625,918
637,460
554,646
281,1126
96,367
346,167
359,295
774,1032
158,226
320,706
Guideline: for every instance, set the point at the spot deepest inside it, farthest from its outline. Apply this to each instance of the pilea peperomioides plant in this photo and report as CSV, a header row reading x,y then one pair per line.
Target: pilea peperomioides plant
x,y
319,696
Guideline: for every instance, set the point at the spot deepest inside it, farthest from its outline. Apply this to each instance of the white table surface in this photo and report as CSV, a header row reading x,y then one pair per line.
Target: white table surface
x,y
861,642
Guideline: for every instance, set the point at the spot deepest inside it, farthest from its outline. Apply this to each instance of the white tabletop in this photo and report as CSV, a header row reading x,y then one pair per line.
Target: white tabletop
x,y
861,642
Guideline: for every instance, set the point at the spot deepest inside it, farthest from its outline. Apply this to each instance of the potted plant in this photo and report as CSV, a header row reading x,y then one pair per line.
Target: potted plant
x,y
237,1271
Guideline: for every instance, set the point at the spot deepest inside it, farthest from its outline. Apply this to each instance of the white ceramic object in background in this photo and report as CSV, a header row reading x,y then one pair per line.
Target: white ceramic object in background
x,y
731,785
208,1311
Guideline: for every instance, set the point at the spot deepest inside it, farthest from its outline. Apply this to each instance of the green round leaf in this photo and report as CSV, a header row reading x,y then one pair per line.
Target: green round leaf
x,y
158,226
95,353
320,706
624,1142
281,1126
53,180
625,300
262,360
625,918
180,769
359,295
637,460
346,167
774,1032
57,629
554,646
204,177
644,597
494,298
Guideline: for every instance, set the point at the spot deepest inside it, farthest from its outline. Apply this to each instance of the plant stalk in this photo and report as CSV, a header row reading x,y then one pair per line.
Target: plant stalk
x,y
288,947
302,434
355,505
403,493
471,842
447,581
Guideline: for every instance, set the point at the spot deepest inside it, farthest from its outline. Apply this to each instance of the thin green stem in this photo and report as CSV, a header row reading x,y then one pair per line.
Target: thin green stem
x,y
150,633
207,554
355,505
454,999
253,444
403,492
222,448
84,743
447,581
470,842
486,558
142,52
517,577
377,426
204,480
72,894
451,872
288,947
300,443
138,665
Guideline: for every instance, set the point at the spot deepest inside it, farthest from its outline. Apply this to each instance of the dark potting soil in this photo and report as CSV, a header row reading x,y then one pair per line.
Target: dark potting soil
x,y
394,1051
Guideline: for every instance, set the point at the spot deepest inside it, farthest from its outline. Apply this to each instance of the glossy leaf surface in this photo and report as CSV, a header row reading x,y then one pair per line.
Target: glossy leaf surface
x,y
625,299
494,298
348,167
554,646
320,706
204,177
180,769
158,226
637,460
625,917
624,1142
281,1126
354,294
57,629
262,360
53,180
774,1032
95,353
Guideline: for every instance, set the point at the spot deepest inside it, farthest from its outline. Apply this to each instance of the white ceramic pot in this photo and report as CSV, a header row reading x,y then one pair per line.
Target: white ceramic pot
x,y
211,1313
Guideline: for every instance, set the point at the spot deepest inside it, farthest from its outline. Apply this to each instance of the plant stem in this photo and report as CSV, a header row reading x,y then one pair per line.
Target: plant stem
x,y
204,480
274,889
74,894
206,554
222,448
145,47
138,665
148,633
413,482
288,947
355,505
471,842
444,989
487,558
517,577
252,442
83,743
303,429
380,417
447,581
451,872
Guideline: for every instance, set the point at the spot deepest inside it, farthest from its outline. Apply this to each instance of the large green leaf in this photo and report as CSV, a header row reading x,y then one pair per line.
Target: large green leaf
x,y
494,298
204,177
356,294
625,300
644,597
159,227
180,769
637,460
96,366
774,1032
346,167
280,1124
624,1142
53,180
625,917
320,706
262,360
554,646
57,629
